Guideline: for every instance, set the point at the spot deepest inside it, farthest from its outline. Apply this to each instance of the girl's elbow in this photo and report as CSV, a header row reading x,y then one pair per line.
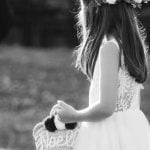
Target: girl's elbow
x,y
108,111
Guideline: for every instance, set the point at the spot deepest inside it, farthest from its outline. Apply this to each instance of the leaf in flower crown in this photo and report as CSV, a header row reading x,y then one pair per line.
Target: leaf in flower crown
x,y
134,3
98,2
139,5
138,1
111,1
127,1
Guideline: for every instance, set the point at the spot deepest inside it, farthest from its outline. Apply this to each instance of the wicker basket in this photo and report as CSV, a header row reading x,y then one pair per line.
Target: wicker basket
x,y
58,140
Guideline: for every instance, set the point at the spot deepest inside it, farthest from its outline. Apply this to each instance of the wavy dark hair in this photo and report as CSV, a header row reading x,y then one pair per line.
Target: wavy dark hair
x,y
121,22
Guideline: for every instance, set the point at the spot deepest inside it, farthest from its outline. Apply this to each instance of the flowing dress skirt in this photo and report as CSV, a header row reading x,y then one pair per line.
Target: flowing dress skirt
x,y
127,130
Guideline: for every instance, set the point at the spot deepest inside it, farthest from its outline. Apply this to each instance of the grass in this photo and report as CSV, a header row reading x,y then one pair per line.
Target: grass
x,y
31,81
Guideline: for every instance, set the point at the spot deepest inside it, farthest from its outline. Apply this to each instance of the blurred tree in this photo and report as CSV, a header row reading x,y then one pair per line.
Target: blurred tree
x,y
45,23
6,20
50,22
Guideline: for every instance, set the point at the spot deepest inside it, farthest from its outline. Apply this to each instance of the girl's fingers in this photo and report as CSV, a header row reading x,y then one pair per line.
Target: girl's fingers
x,y
58,112
58,117
54,108
62,103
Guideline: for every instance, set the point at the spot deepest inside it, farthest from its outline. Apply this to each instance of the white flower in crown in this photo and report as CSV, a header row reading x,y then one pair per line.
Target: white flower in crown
x,y
138,1
111,1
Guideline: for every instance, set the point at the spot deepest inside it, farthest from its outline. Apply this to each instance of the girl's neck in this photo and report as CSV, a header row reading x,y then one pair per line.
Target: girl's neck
x,y
109,37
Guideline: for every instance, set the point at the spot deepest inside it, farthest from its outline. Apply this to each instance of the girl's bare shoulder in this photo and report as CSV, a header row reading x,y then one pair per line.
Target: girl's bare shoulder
x,y
110,44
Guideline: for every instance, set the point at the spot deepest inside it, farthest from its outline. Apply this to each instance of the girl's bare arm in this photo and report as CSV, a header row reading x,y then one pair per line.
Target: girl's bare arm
x,y
109,63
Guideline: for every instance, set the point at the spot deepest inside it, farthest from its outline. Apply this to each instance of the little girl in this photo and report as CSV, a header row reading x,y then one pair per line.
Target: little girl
x,y
113,55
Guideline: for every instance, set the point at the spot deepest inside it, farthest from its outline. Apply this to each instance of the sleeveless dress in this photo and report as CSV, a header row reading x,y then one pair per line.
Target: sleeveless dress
x,y
127,128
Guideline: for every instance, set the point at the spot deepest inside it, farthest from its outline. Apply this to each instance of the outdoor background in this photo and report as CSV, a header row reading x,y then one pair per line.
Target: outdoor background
x,y
37,40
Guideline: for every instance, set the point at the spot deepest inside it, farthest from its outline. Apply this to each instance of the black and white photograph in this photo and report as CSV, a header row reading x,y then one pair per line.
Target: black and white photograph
x,y
74,74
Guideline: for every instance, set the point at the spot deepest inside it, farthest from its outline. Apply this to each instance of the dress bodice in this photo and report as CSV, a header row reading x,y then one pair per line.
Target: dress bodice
x,y
128,89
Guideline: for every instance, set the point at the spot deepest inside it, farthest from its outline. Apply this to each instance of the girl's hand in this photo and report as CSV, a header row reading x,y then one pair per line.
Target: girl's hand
x,y
54,109
66,113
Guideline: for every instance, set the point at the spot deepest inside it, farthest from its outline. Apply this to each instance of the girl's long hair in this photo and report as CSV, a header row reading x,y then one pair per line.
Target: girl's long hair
x,y
120,21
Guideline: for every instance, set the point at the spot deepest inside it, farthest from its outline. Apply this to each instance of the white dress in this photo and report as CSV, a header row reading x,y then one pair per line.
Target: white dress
x,y
127,128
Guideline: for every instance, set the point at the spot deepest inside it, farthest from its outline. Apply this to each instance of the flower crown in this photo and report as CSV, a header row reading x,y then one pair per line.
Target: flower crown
x,y
134,3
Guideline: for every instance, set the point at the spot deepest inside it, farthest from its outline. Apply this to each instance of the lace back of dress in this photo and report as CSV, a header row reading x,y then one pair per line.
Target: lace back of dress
x,y
127,87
